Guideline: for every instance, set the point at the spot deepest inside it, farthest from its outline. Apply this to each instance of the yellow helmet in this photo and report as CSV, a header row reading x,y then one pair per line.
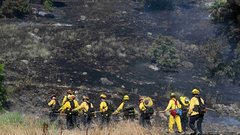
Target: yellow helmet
x,y
103,96
147,101
195,92
125,97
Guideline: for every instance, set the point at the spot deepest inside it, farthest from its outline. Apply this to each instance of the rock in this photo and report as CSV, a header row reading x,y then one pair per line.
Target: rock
x,y
34,36
149,34
45,14
83,18
153,67
124,12
105,81
88,46
25,61
187,64
62,25
122,54
36,30
84,73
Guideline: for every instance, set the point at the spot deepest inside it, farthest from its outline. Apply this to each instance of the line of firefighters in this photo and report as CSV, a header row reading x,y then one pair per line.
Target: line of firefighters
x,y
182,111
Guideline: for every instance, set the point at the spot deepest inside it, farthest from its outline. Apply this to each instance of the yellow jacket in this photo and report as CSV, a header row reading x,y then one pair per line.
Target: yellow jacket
x,y
65,99
83,107
67,106
103,106
52,103
171,104
193,102
142,107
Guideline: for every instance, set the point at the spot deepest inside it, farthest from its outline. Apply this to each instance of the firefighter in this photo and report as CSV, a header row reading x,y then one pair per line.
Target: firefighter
x,y
104,110
184,101
196,112
128,109
65,98
146,110
86,108
54,105
174,104
70,115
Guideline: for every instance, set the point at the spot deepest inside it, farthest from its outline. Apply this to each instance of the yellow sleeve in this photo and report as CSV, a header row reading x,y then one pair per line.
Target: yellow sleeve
x,y
51,103
65,107
75,103
80,107
178,105
103,107
170,104
119,108
64,100
202,101
191,105
142,107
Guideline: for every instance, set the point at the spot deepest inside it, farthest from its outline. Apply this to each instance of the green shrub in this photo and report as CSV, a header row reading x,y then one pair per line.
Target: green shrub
x,y
164,53
218,4
3,92
10,118
15,8
48,4
219,10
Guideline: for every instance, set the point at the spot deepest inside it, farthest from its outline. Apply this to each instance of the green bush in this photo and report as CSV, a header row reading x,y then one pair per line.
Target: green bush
x,y
15,8
10,118
219,10
164,53
2,89
48,4
218,4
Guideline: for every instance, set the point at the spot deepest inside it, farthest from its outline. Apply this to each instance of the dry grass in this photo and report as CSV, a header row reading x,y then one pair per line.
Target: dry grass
x,y
122,128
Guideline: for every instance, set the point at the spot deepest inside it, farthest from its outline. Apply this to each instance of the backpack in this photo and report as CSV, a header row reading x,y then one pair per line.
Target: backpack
x,y
128,109
91,110
149,111
70,112
176,111
111,107
201,108
56,107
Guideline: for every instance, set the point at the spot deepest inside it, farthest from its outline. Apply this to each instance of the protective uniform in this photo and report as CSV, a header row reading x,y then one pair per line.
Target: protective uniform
x,y
172,119
194,115
128,109
67,108
184,118
53,103
65,98
145,118
104,110
84,107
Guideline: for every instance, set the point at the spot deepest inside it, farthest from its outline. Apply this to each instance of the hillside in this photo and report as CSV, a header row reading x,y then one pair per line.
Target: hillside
x,y
104,46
